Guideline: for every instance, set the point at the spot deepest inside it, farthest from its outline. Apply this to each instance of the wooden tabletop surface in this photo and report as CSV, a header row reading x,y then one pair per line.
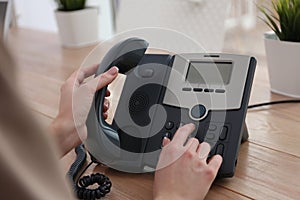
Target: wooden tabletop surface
x,y
268,164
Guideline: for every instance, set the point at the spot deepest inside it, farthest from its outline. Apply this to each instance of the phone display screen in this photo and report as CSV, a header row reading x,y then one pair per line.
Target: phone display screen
x,y
216,73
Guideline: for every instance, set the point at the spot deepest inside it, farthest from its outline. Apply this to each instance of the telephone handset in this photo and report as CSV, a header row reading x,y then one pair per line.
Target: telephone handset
x,y
161,92
103,141
125,55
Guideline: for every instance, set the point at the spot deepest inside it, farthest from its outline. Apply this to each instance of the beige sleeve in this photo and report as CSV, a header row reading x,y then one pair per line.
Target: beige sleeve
x,y
29,165
29,168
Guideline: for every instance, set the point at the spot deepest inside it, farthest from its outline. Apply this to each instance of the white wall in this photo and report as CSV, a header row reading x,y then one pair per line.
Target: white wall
x,y
39,14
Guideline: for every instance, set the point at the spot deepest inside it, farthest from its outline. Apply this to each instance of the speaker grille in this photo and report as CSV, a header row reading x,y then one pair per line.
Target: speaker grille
x,y
138,102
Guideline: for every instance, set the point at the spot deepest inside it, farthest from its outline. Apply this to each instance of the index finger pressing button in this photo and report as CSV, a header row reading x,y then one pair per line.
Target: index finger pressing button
x,y
182,133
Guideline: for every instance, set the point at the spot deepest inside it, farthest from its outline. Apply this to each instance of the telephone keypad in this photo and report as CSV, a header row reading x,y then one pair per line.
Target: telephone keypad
x,y
216,134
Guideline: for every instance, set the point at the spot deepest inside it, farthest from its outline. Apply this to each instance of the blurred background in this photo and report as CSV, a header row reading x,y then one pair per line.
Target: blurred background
x,y
205,21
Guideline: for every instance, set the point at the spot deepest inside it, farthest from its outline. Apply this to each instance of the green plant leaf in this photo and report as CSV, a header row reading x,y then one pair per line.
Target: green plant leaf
x,y
296,27
287,15
70,5
271,22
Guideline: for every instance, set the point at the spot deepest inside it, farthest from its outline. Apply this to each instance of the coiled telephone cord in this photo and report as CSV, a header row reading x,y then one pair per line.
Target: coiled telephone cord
x,y
81,185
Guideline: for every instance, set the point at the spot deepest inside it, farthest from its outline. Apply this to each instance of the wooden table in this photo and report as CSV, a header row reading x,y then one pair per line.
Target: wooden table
x,y
268,165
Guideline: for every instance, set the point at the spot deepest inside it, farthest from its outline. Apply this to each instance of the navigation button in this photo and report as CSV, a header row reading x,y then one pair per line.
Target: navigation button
x,y
198,111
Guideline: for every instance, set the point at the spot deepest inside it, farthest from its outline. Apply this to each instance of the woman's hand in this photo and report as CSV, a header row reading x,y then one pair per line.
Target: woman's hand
x,y
69,127
182,170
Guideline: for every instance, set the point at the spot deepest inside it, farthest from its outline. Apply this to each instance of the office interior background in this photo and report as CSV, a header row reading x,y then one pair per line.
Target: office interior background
x,y
241,14
268,164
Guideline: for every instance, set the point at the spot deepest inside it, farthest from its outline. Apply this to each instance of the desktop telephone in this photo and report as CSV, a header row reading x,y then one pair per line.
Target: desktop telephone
x,y
162,92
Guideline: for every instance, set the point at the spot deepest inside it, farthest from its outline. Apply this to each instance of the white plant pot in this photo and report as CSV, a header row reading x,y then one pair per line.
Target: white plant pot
x,y
284,65
78,28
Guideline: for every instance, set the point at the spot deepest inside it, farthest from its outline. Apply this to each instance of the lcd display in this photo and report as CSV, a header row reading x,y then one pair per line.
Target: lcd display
x,y
209,73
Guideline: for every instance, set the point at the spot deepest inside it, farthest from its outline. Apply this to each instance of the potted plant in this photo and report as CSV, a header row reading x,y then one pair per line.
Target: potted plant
x,y
283,46
77,24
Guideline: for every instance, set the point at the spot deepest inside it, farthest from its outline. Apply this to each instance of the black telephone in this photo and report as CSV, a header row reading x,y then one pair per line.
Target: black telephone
x,y
162,92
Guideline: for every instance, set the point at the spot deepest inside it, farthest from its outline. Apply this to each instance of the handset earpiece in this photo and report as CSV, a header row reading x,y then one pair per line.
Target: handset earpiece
x,y
125,55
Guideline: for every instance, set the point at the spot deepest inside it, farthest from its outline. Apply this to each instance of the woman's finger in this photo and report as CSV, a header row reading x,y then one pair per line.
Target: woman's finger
x,y
215,162
79,75
203,150
182,134
105,105
91,70
107,94
166,141
192,144
106,102
103,79
105,115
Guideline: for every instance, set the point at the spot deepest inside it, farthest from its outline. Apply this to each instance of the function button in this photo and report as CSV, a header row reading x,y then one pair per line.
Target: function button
x,y
169,125
146,73
167,135
220,149
208,90
224,132
198,111
210,136
220,91
198,89
212,127
186,89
